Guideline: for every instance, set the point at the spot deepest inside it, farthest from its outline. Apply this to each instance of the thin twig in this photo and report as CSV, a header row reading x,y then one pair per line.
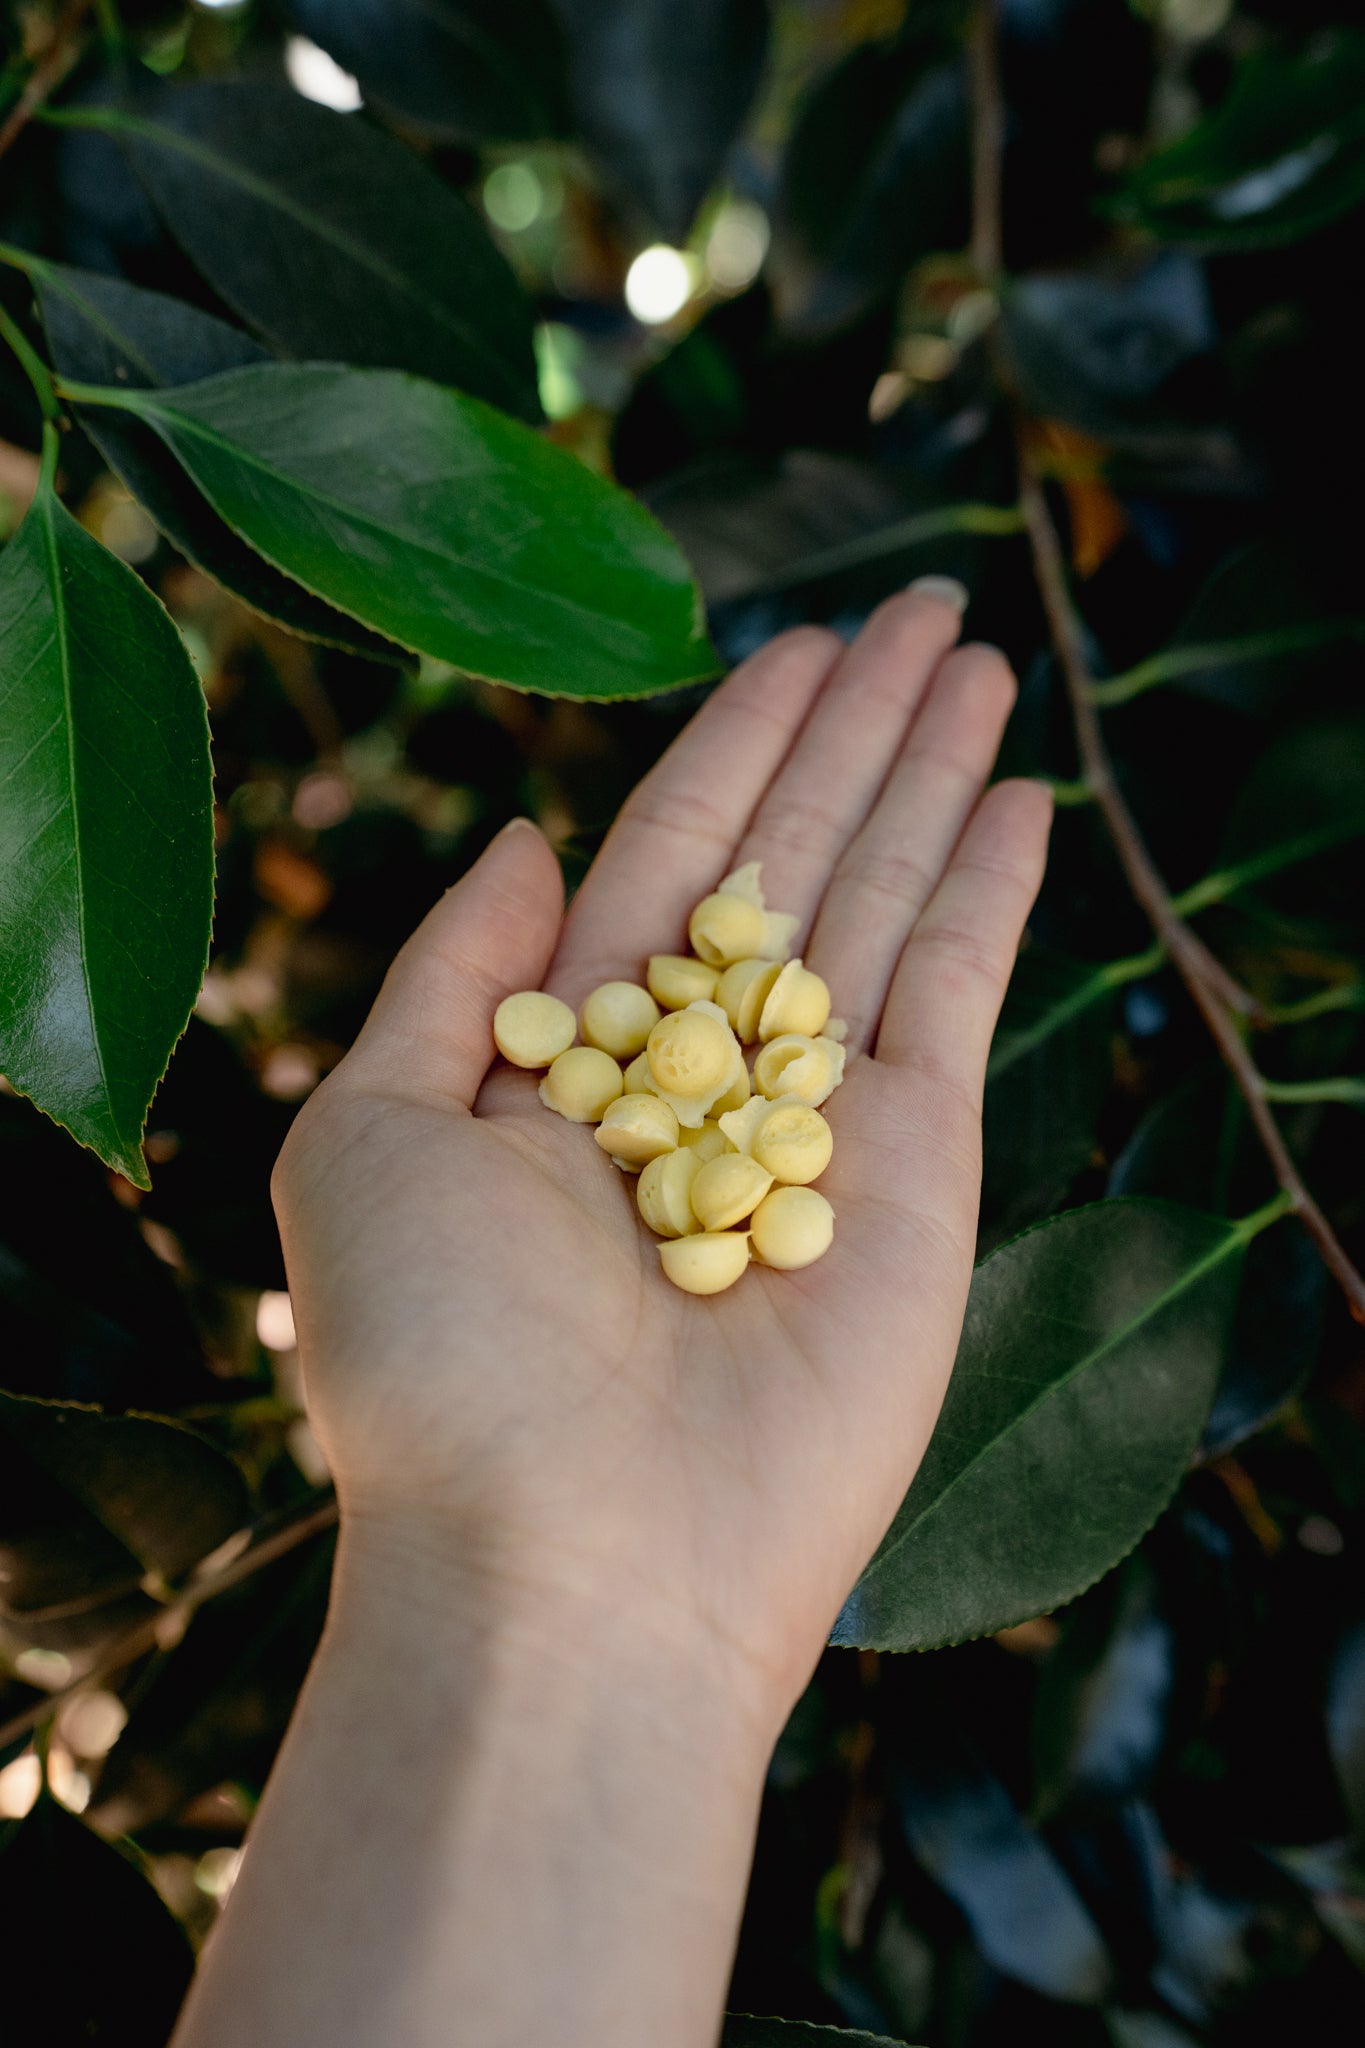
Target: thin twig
x,y
1221,1001
47,73
148,1634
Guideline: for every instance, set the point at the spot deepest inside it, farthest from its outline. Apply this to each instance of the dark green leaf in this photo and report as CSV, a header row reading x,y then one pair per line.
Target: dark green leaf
x,y
741,2031
1099,1714
460,70
660,92
63,1891
1306,792
331,239
106,835
1346,1724
1282,156
103,331
441,523
1088,1361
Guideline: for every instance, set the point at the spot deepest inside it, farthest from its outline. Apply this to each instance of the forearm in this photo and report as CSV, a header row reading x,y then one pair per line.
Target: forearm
x,y
490,1827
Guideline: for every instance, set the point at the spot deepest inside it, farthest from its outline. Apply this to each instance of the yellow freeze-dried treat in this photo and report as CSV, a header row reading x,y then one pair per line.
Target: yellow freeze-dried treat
x,y
532,1029
707,1263
582,1084
792,1227
793,1142
708,1142
738,1092
636,1129
694,1059
809,1068
779,926
742,991
638,1078
797,1001
837,1029
725,928
728,1189
663,1193
675,980
618,1018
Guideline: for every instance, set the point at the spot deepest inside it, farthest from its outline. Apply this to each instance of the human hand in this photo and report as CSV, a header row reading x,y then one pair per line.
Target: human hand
x,y
506,1387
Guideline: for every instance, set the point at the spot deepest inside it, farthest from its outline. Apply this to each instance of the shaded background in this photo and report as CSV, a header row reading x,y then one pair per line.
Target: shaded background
x,y
743,227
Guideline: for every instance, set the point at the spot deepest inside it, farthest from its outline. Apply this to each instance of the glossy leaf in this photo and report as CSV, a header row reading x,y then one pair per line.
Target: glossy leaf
x,y
106,839
105,331
742,2031
59,1884
1346,1724
660,92
332,240
1099,1716
461,70
1088,1359
440,523
1283,155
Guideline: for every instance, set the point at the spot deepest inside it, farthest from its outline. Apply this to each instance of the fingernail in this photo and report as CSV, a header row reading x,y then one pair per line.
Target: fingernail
x,y
946,589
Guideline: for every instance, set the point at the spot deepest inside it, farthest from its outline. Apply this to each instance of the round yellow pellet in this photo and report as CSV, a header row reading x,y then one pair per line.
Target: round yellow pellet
x,y
618,1018
582,1084
794,1143
809,1068
531,1029
725,928
675,980
638,1077
708,1142
797,1001
691,1053
792,1227
663,1194
728,1189
707,1263
742,991
636,1129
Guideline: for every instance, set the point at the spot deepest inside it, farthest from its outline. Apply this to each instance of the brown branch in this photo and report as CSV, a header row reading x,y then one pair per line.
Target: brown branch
x,y
1221,1000
151,1633
47,73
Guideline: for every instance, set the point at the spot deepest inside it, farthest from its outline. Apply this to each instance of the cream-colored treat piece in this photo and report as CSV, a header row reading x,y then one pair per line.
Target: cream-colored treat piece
x,y
809,1068
797,1001
531,1029
636,1129
792,1227
742,991
779,926
793,1142
582,1084
675,980
837,1029
707,1263
663,1194
707,1143
728,1189
738,1092
724,928
618,1018
694,1059
639,1079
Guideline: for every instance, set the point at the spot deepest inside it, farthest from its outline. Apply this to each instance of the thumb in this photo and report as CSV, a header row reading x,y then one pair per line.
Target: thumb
x,y
493,933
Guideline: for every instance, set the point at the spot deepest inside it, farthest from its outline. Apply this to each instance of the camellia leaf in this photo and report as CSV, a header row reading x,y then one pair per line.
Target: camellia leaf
x,y
440,523
106,834
1283,155
1346,1724
105,331
741,2031
1100,1712
329,237
1089,1356
460,70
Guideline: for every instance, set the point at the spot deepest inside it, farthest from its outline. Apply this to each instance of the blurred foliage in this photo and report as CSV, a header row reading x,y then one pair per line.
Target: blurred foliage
x,y
1129,1806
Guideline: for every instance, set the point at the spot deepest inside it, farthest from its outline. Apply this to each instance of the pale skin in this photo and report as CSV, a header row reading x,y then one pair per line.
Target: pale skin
x,y
595,1532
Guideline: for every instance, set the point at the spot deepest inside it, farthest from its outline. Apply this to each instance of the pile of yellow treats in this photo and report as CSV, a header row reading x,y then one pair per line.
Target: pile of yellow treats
x,y
725,1153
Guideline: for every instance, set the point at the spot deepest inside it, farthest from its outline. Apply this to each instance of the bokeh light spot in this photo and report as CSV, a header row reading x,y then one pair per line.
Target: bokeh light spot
x,y
658,284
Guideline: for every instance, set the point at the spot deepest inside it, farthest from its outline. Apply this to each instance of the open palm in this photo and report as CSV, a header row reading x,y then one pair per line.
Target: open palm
x,y
495,1363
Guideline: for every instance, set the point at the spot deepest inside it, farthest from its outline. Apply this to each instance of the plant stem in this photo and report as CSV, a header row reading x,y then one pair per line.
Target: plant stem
x,y
1333,1088
34,368
47,73
147,1635
1174,662
1221,1001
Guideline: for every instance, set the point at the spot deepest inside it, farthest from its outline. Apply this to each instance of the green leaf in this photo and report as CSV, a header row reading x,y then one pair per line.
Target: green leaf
x,y
1088,1361
1282,156
741,2031
106,834
104,331
330,238
440,523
